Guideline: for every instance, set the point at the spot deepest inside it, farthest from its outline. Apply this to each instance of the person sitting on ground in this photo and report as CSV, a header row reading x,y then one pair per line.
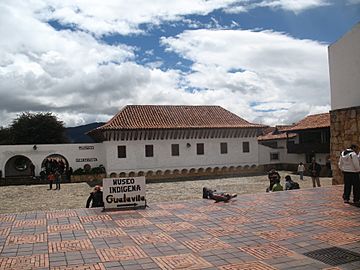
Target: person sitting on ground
x,y
217,196
277,186
96,197
290,184
273,176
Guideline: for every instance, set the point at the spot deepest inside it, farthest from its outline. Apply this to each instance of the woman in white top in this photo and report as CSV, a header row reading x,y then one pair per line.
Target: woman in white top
x,y
301,169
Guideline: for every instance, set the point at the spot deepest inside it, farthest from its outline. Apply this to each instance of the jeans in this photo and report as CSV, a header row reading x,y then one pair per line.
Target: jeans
x,y
351,180
301,175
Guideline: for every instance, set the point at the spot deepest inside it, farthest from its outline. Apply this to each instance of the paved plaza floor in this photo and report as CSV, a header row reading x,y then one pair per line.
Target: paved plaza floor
x,y
299,229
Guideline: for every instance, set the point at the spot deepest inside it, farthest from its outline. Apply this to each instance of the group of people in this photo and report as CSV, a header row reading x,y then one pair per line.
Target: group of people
x,y
349,164
275,185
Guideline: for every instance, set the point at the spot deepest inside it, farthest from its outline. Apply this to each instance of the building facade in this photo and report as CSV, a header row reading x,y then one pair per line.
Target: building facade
x,y
344,67
156,141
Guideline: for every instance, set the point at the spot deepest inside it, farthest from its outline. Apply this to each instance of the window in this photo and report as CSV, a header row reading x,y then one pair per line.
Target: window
x,y
200,148
175,150
149,150
246,147
121,151
223,148
274,156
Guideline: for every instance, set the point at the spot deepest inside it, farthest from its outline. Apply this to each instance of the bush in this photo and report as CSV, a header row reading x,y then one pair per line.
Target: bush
x,y
96,170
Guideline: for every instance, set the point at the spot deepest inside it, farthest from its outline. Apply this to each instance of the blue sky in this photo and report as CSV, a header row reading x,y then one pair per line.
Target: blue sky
x,y
265,60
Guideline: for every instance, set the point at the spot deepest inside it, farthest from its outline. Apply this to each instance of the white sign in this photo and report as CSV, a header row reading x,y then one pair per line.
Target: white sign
x,y
124,192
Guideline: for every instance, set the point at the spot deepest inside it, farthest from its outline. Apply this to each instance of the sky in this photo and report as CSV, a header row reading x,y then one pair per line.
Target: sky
x,y
83,60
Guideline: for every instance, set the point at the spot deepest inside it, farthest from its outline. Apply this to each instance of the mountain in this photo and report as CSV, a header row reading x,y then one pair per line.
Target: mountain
x,y
77,134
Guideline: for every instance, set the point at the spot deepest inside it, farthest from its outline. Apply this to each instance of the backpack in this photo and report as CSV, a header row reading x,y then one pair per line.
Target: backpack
x,y
295,185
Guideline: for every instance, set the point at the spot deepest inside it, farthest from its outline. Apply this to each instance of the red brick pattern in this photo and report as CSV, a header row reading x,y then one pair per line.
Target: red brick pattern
x,y
172,206
24,262
221,231
285,222
105,232
86,219
26,239
155,213
235,220
153,238
339,213
193,217
276,235
182,261
175,226
291,212
248,266
65,227
30,223
121,253
4,231
7,218
210,208
207,243
337,238
70,245
337,223
60,214
97,266
133,222
267,251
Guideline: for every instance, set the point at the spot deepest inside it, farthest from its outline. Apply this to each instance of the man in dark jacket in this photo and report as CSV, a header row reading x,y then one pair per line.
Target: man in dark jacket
x,y
315,169
96,197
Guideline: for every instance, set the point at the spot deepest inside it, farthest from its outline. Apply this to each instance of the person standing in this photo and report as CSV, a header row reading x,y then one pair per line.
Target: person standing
x,y
349,165
315,169
51,179
301,170
57,180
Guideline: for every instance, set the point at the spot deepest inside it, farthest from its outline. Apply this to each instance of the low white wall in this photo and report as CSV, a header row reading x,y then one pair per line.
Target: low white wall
x,y
74,154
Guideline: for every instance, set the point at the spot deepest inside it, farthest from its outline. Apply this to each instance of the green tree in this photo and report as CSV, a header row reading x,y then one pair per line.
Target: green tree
x,y
37,128
5,136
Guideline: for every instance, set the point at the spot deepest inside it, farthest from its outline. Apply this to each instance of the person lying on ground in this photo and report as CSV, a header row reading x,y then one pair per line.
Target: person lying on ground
x,y
217,196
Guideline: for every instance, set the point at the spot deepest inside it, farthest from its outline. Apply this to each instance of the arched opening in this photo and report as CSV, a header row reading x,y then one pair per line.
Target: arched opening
x,y
131,174
113,175
176,171
184,171
18,166
122,174
200,170
193,170
141,173
55,162
167,172
149,173
158,172
208,170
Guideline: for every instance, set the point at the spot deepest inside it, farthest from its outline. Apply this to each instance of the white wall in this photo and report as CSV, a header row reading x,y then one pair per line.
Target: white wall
x,y
284,157
71,152
344,65
162,160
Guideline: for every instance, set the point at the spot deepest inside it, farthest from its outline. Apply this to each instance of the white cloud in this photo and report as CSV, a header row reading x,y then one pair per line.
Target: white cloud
x,y
265,67
82,79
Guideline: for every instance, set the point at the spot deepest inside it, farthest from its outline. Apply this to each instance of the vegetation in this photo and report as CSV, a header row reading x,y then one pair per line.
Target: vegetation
x,y
85,171
34,128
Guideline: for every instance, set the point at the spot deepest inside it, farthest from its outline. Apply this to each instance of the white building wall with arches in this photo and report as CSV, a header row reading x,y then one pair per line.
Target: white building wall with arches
x,y
77,155
188,158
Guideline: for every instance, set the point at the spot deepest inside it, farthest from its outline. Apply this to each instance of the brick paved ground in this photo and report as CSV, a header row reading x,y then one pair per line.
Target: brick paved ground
x,y
253,231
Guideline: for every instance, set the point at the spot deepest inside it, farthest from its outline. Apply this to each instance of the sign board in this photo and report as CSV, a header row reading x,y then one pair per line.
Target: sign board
x,y
119,193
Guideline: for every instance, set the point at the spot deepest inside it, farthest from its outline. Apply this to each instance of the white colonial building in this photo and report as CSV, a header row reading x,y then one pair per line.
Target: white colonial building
x,y
156,141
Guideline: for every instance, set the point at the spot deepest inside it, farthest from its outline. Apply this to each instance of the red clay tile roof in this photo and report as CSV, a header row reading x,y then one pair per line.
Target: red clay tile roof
x,y
321,120
169,117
